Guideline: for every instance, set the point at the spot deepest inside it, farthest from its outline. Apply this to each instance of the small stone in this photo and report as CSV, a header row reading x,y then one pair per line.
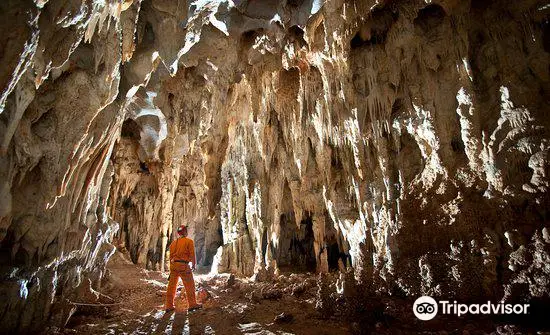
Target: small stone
x,y
203,295
230,281
284,318
298,289
272,294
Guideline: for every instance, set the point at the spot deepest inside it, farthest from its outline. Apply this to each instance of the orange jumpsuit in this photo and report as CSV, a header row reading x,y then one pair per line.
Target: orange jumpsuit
x,y
182,249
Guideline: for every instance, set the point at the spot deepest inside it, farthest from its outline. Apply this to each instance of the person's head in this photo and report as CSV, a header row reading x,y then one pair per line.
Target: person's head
x,y
182,230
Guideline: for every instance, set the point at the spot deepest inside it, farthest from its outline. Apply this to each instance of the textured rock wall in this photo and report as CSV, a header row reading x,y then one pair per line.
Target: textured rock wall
x,y
406,139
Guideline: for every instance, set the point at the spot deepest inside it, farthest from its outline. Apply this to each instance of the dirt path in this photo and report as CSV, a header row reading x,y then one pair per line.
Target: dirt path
x,y
234,306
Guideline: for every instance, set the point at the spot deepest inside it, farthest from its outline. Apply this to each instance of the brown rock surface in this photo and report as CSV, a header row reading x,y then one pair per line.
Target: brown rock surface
x,y
406,140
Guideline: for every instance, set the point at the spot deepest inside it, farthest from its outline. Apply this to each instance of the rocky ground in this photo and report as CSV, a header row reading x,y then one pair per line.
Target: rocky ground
x,y
231,306
132,298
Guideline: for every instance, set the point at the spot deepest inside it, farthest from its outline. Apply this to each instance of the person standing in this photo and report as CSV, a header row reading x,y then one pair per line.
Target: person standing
x,y
182,252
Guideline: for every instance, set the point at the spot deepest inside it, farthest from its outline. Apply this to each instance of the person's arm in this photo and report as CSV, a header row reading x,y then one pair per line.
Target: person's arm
x,y
172,250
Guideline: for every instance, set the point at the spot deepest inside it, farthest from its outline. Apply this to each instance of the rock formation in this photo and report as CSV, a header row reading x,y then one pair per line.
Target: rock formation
x,y
408,140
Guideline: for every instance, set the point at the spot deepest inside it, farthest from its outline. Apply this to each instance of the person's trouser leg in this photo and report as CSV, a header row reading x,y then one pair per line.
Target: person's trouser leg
x,y
189,284
171,289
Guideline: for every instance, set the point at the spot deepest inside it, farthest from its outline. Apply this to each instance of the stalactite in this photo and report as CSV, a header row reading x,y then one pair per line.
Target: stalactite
x,y
371,137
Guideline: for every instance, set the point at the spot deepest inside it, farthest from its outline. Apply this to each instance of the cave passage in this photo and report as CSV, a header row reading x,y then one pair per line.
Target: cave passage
x,y
332,161
301,252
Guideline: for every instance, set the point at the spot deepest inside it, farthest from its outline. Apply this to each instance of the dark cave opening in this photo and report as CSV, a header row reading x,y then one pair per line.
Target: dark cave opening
x,y
249,37
255,129
429,18
296,34
480,5
333,256
154,256
303,248
264,243
335,247
148,35
130,129
375,30
398,108
143,167
357,41
296,252
457,145
546,35
294,3
336,254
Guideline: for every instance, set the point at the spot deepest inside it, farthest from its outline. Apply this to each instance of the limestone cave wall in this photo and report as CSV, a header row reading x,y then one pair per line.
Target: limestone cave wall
x,y
407,140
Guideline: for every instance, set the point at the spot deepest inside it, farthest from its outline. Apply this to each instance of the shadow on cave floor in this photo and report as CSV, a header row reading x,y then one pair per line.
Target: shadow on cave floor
x,y
238,306
230,306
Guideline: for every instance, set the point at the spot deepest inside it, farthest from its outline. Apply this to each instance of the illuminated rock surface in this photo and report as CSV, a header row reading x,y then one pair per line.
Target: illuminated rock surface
x,y
407,140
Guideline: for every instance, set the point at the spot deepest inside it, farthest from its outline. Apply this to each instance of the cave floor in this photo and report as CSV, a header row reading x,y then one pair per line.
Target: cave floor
x,y
133,297
134,300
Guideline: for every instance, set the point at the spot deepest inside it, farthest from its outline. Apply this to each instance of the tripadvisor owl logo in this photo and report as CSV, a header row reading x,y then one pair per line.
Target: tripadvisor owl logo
x,y
425,308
